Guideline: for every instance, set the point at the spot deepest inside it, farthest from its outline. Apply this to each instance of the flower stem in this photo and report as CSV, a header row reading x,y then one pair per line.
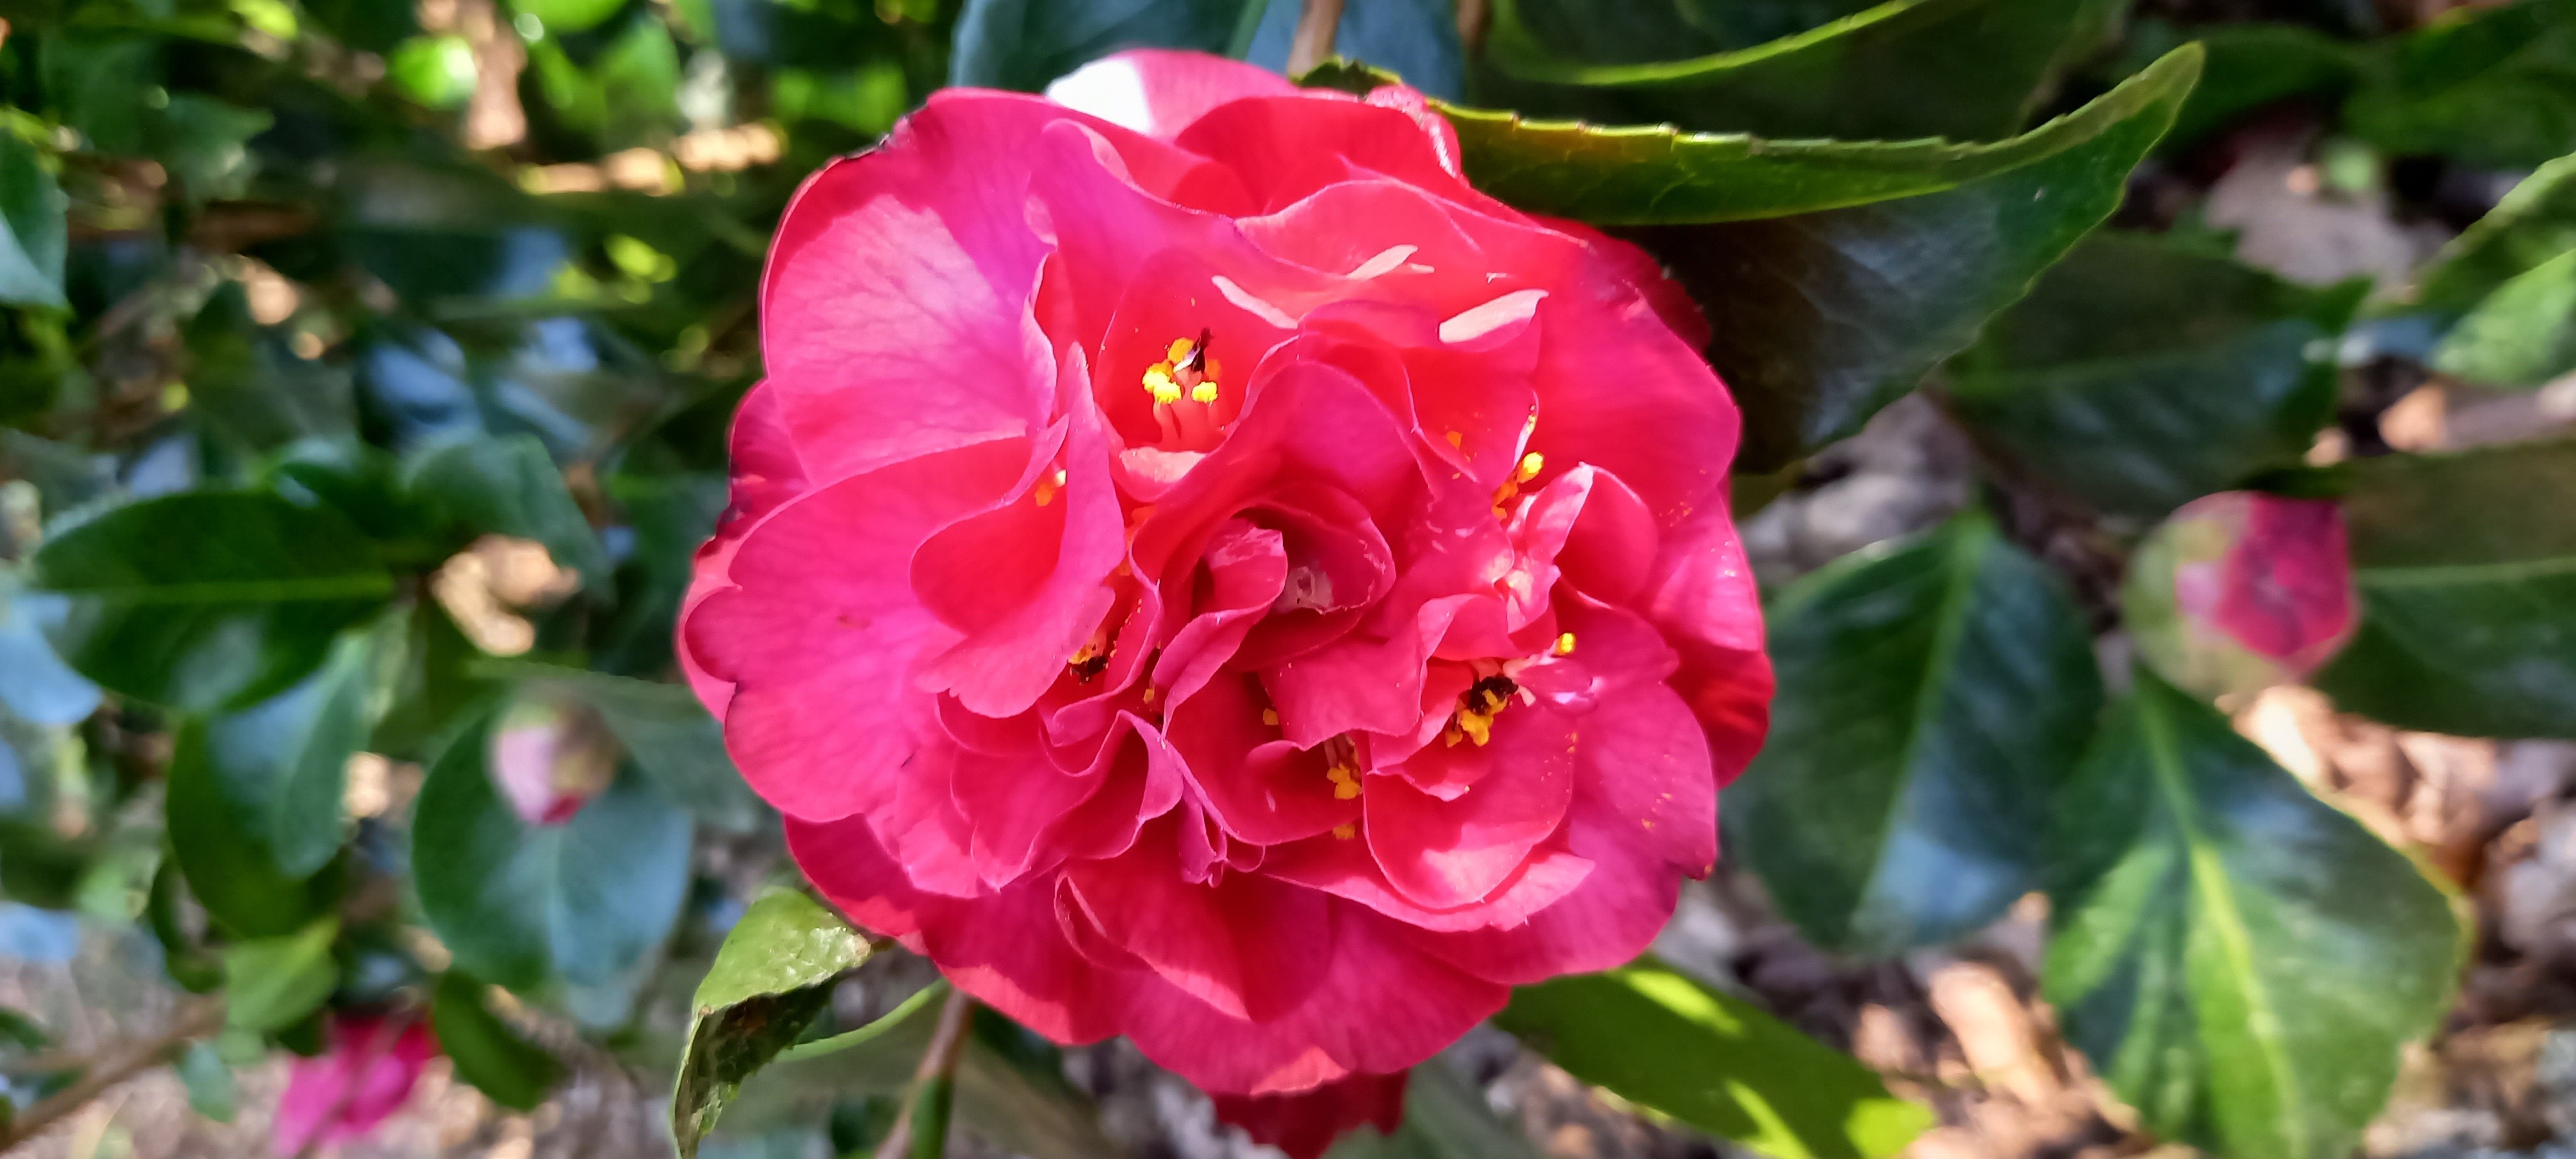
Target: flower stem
x,y
921,1131
1314,42
114,1068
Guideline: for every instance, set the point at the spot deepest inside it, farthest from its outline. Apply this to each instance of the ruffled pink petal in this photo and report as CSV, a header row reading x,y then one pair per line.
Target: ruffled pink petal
x,y
367,1074
1158,92
2287,591
766,474
1703,599
1260,788
1448,853
1380,1007
1305,1124
1249,946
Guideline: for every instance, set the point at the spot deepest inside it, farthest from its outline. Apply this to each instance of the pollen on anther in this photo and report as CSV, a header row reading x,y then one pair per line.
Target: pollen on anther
x,y
1346,832
1270,716
1159,383
1531,464
1203,392
1456,440
1564,644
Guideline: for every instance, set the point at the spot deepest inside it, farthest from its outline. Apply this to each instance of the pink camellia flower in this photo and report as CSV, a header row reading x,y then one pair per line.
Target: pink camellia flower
x,y
1304,1124
2242,590
365,1076
1200,571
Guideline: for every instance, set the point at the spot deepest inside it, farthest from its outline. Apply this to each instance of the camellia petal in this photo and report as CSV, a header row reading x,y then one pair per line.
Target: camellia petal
x,y
2239,591
1199,570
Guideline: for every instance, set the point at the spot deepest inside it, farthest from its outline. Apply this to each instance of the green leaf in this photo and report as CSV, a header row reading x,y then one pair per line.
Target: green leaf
x,y
2468,592
512,900
35,685
211,1092
2523,335
1828,316
33,234
273,983
508,486
2485,86
2140,375
1931,698
2251,65
281,765
773,974
204,144
1660,1039
569,15
1863,77
208,599
229,864
2531,225
1024,44
488,1053
193,967
254,389
2241,962
1660,175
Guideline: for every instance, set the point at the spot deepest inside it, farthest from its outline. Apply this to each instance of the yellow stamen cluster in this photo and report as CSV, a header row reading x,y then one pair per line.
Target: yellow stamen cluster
x,y
1477,709
1531,464
1270,716
1046,488
1564,644
1185,372
1346,832
1342,761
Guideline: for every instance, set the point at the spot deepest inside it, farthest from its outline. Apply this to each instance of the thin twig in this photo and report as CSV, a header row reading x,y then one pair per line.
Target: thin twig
x,y
1314,41
112,1070
936,1077
1472,15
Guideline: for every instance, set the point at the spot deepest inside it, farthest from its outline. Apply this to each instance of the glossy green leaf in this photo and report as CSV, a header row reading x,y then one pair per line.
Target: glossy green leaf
x,y
2485,85
674,742
1862,77
1662,1040
514,901
488,1052
2522,335
227,858
1024,44
2241,962
2468,592
254,389
273,983
208,599
1931,699
2140,374
1829,316
211,1091
33,235
773,974
2531,225
508,486
2251,65
281,765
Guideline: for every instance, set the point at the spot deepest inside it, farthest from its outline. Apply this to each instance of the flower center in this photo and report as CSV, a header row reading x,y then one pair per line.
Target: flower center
x,y
1186,371
1494,691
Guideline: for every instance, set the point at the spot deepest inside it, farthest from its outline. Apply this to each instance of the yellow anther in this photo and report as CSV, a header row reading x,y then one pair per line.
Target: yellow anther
x,y
1270,716
1478,726
1346,782
1215,369
1179,350
1456,440
1530,466
1564,644
1059,476
1346,832
1158,382
1204,392
1044,492
1149,694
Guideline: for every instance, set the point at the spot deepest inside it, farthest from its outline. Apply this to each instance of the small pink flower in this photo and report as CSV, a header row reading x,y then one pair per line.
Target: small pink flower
x,y
2261,592
550,759
1198,570
365,1076
1305,1124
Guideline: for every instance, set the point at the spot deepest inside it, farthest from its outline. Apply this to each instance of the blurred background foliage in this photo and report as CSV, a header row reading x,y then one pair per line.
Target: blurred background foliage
x,y
364,374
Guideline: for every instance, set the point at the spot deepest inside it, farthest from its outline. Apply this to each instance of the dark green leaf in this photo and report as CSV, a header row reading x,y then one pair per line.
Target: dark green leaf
x,y
587,897
2487,86
1664,1041
2241,962
2468,592
2251,65
1828,316
33,236
1024,44
208,599
1866,76
496,1059
229,864
280,765
210,1083
273,983
508,486
2522,335
1931,699
255,389
204,144
2533,224
1659,175
773,974
193,967
2140,375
